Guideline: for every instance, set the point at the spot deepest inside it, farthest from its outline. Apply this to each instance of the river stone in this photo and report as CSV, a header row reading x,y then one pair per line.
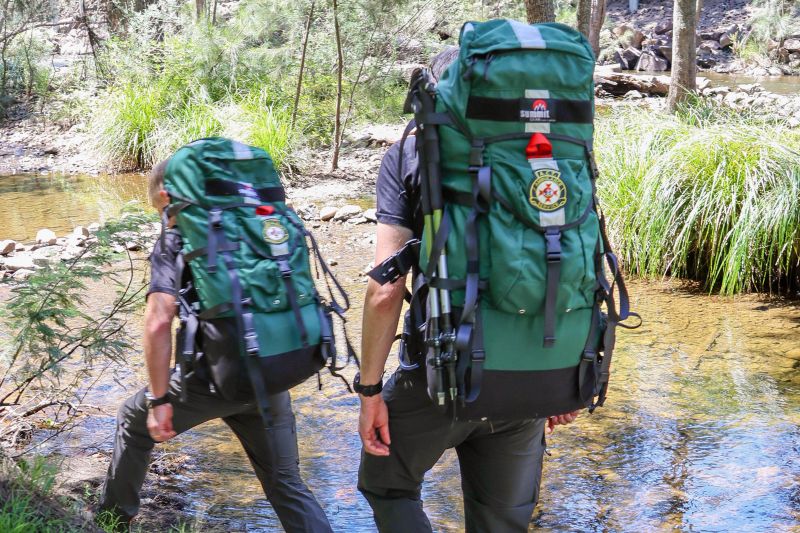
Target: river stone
x,y
307,212
81,231
71,252
23,274
358,220
45,236
347,212
327,213
371,214
46,255
725,41
133,246
708,46
18,262
7,246
75,240
774,71
93,227
61,241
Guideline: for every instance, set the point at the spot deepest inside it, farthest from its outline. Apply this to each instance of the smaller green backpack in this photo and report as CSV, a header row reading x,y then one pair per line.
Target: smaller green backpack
x,y
250,260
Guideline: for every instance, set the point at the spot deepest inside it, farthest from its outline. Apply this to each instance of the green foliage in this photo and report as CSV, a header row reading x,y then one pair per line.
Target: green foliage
x,y
709,194
53,324
27,502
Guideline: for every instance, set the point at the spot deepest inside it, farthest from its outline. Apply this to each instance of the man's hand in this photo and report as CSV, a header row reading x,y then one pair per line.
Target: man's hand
x,y
553,421
373,425
159,422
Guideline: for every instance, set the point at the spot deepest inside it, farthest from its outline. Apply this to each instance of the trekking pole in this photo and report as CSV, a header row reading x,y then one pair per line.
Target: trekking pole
x,y
430,137
433,342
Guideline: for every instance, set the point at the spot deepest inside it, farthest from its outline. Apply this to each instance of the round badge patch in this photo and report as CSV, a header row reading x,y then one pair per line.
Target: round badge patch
x,y
547,191
274,232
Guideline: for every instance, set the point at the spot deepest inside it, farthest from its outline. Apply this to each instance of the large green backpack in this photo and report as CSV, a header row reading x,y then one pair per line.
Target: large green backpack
x,y
250,261
511,259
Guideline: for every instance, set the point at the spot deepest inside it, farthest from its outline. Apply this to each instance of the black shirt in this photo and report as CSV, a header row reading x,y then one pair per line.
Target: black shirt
x,y
163,263
398,195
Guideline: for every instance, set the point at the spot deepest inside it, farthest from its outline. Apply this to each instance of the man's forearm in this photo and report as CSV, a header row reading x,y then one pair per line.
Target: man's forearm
x,y
157,356
382,307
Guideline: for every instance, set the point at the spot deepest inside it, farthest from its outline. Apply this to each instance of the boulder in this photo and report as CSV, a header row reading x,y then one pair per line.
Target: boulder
x,y
621,30
18,262
651,62
709,35
45,236
358,220
663,27
627,58
93,227
792,45
23,274
371,214
74,240
347,212
774,71
708,46
71,252
751,88
725,41
7,246
327,213
706,61
633,95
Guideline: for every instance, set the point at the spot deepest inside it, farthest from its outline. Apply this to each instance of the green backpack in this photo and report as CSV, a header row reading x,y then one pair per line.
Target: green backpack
x,y
512,255
250,261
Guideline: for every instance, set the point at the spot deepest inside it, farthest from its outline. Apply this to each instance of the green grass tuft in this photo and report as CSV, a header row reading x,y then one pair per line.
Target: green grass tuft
x,y
703,196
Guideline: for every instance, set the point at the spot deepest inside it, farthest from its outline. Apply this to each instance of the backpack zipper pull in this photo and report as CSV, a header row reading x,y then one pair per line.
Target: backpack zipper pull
x,y
487,62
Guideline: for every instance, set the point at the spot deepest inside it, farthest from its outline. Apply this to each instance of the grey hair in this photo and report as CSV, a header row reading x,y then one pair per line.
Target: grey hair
x,y
442,60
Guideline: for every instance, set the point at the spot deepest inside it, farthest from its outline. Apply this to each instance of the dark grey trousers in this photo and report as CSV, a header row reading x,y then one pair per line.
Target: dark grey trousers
x,y
272,452
500,462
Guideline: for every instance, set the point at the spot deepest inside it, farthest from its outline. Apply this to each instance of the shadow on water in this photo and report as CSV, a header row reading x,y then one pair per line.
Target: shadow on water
x,y
701,431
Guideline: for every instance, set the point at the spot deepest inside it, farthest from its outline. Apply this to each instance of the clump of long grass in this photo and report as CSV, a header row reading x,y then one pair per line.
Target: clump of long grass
x,y
703,196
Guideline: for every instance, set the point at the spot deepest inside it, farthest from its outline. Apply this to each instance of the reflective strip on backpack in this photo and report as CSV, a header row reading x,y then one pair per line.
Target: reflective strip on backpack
x,y
527,35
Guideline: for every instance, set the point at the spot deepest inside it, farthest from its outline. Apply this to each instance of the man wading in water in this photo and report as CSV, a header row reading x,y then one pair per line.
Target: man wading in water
x,y
155,414
403,433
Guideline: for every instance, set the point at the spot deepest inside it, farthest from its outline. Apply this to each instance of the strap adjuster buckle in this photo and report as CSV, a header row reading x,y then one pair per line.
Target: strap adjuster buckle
x,y
251,343
553,242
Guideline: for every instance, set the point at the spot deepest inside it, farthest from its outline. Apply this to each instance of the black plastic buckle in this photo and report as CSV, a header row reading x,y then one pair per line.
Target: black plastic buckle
x,y
553,241
589,355
216,218
479,356
285,268
476,154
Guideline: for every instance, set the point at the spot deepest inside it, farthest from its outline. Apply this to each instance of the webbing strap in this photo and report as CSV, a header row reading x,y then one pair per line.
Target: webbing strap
x,y
398,264
552,237
216,236
588,366
477,359
291,293
194,254
218,187
409,128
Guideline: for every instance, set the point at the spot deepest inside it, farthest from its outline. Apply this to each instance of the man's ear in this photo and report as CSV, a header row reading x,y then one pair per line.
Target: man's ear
x,y
164,197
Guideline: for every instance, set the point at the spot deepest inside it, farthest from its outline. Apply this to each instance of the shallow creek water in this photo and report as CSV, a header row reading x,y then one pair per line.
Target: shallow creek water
x,y
701,431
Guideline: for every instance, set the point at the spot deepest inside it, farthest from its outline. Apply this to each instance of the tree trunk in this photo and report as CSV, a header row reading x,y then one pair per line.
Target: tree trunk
x,y
540,11
698,13
302,62
337,122
684,53
596,22
584,16
200,9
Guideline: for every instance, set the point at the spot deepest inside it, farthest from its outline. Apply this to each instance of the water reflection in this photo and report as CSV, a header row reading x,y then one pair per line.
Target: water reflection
x,y
32,202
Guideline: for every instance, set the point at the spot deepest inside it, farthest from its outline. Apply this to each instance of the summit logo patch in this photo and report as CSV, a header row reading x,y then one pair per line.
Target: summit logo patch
x,y
537,111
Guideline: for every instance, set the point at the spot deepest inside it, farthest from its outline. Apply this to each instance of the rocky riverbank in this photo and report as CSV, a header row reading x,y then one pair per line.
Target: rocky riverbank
x,y
18,261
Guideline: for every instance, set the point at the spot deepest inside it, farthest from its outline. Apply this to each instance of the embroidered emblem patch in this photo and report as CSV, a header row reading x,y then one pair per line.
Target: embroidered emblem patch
x,y
547,192
274,232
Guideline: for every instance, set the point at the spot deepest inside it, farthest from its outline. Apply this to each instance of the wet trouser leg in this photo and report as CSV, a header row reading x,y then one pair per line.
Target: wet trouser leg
x,y
505,456
275,459
133,446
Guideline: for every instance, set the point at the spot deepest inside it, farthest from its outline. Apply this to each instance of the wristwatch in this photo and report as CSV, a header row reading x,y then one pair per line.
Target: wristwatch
x,y
152,401
366,390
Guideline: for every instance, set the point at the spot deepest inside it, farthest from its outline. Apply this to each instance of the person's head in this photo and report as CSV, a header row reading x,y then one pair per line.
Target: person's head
x,y
442,60
155,186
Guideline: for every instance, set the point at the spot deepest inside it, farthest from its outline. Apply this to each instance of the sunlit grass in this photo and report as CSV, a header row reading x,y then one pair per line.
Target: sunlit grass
x,y
704,196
